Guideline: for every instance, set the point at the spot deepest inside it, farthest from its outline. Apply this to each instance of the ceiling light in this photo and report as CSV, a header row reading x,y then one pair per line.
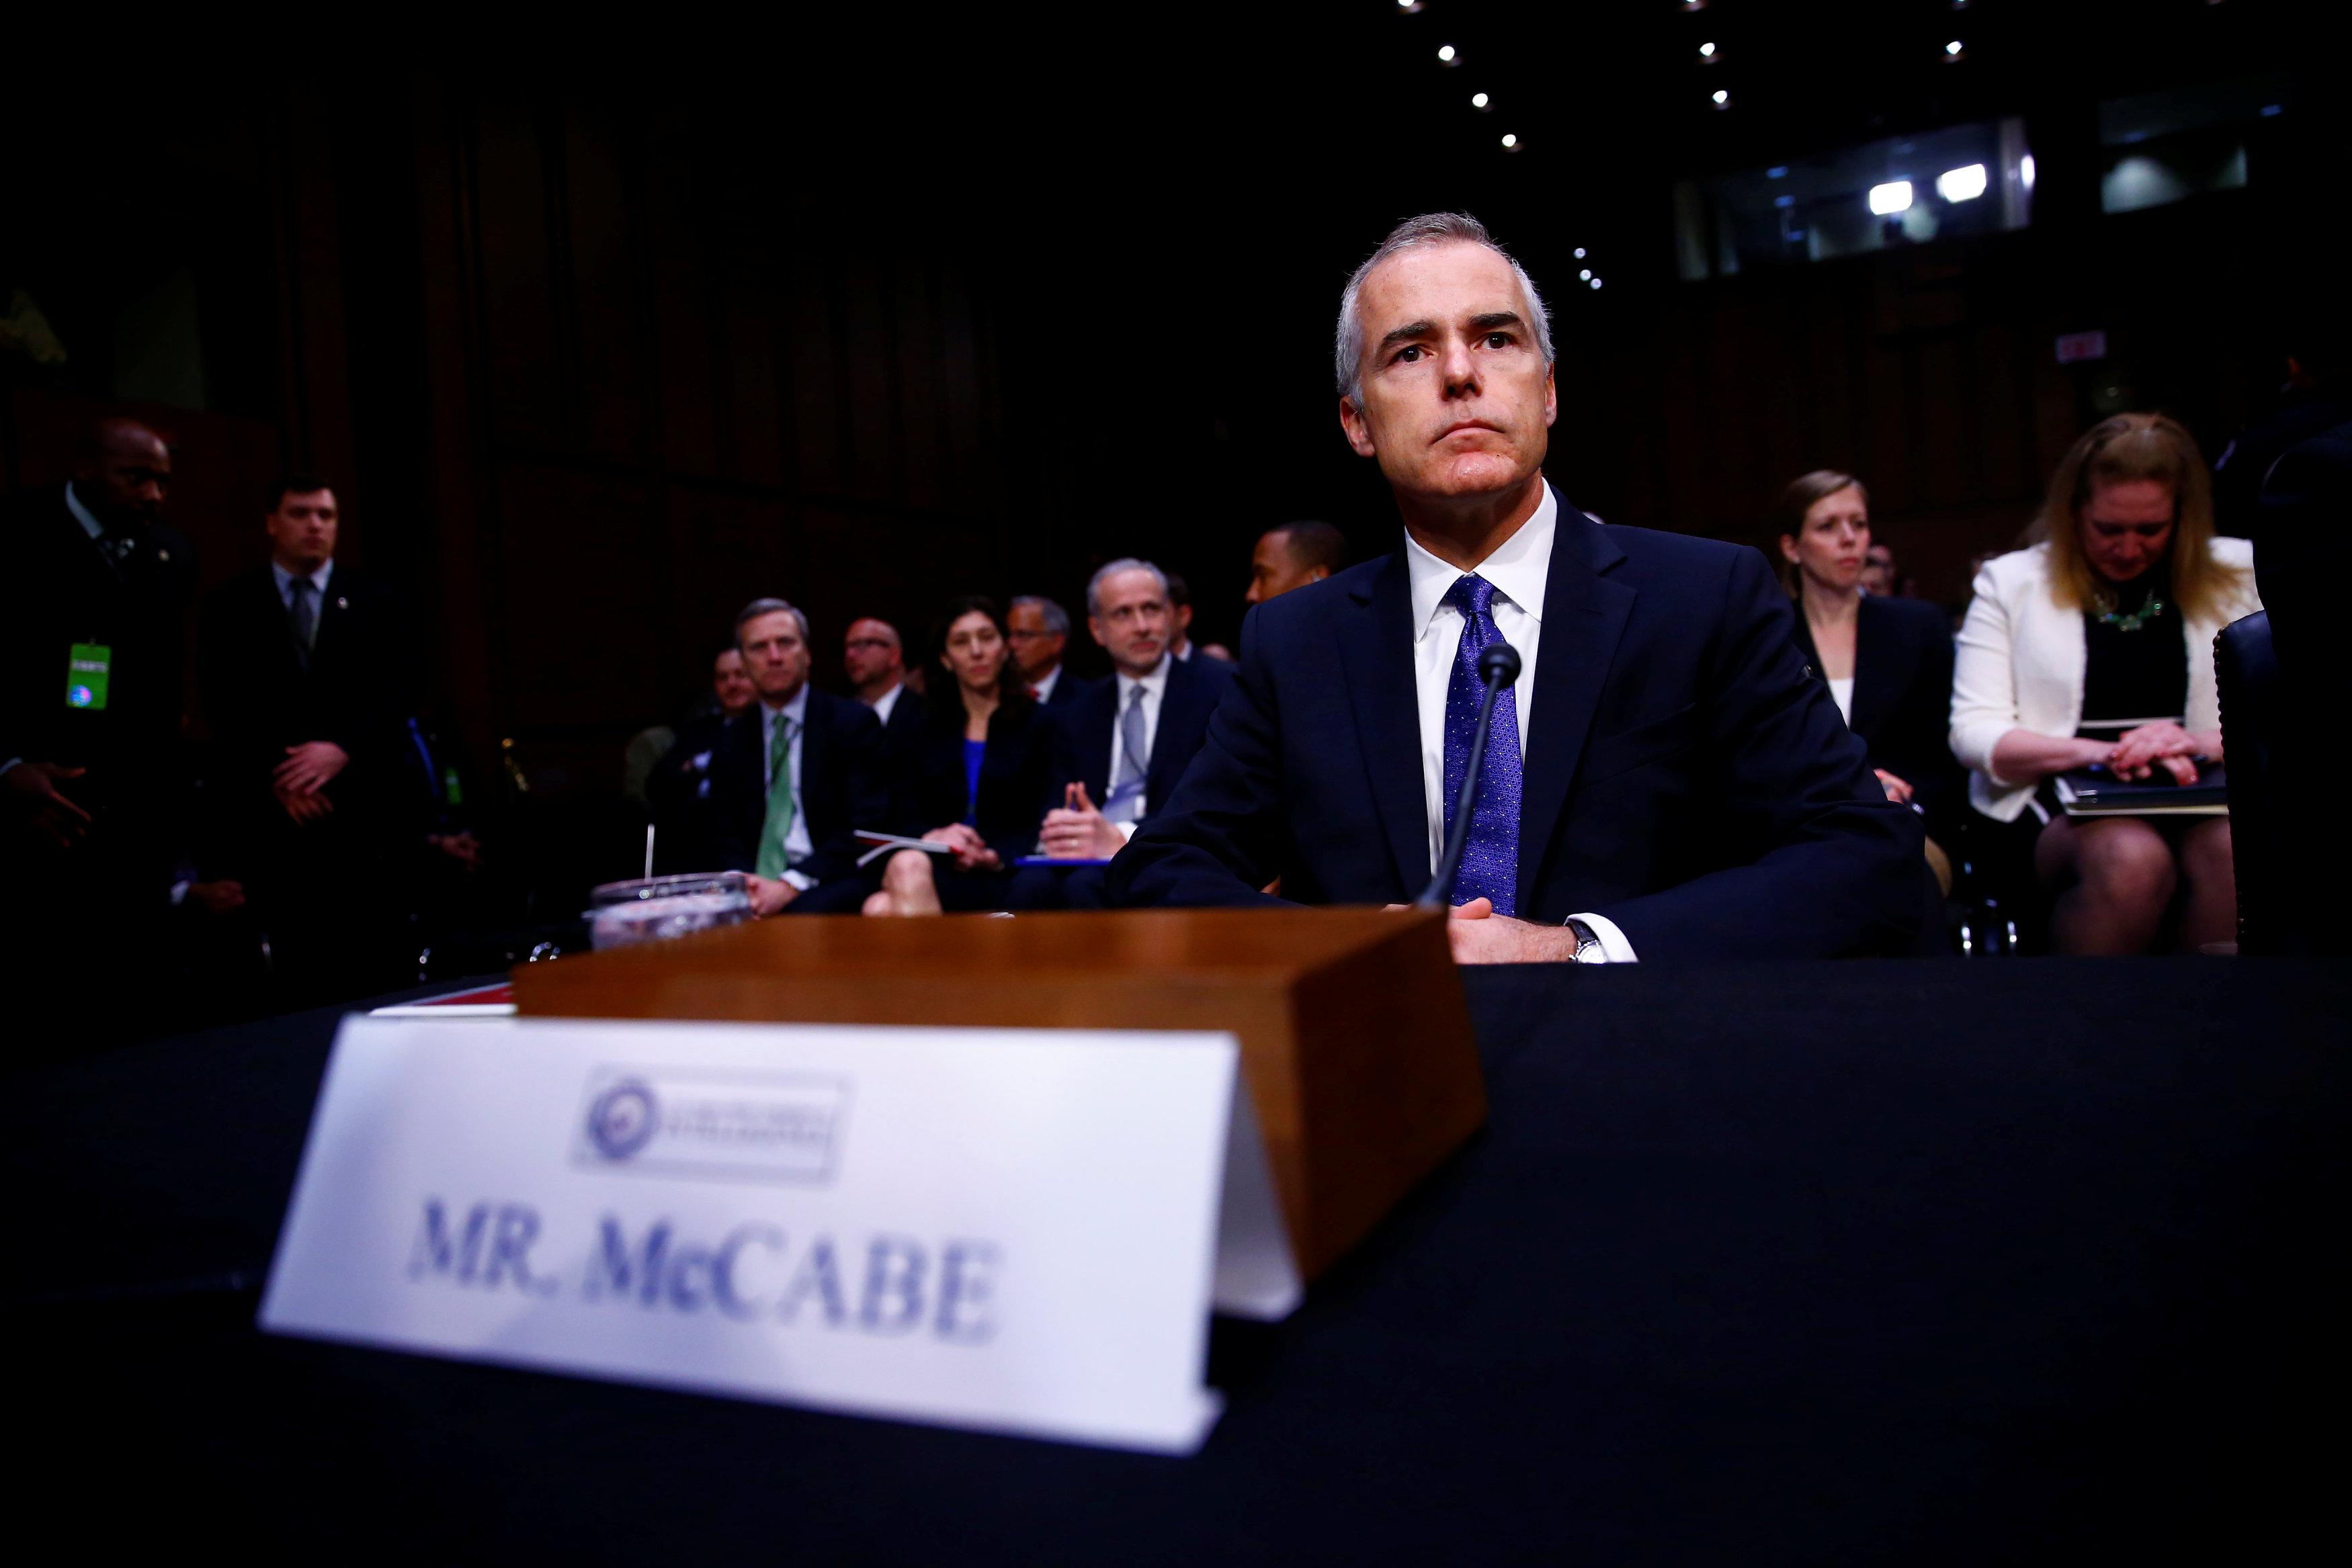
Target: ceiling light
x,y
1722,99
1706,51
1894,196
1580,253
1585,276
1445,53
1596,283
1952,51
1477,100
1965,183
1510,142
2025,170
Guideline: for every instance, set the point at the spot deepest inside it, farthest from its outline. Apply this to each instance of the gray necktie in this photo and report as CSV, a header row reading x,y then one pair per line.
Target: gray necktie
x,y
1126,802
306,617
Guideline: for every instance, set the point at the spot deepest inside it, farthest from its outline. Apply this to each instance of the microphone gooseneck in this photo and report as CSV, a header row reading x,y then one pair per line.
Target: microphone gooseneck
x,y
1498,666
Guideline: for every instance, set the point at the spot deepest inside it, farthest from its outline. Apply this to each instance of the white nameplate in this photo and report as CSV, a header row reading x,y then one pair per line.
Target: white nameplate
x,y
1011,1230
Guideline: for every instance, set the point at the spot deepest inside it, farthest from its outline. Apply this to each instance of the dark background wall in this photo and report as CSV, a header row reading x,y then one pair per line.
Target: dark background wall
x,y
602,346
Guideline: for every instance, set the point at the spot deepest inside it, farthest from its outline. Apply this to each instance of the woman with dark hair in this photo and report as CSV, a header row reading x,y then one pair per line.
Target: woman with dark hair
x,y
1888,662
981,769
2095,646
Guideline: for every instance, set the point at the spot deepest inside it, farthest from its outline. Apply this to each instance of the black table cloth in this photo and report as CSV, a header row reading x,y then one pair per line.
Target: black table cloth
x,y
1901,1261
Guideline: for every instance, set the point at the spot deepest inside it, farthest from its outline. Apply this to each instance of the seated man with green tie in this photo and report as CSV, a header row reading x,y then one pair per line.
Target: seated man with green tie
x,y
792,779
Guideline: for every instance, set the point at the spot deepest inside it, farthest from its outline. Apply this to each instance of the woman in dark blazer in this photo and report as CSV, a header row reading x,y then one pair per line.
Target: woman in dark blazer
x,y
979,774
1888,662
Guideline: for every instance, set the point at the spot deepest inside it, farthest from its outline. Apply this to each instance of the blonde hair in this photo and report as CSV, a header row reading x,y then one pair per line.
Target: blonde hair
x,y
2128,448
1787,518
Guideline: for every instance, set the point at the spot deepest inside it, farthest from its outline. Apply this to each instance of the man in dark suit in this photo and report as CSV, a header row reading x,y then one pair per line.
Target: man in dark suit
x,y
1039,632
1664,781
93,603
306,666
1119,748
794,778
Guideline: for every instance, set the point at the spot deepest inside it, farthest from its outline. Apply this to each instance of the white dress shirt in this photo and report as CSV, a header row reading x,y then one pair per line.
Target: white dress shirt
x,y
1519,570
1043,685
798,845
1154,687
81,514
885,702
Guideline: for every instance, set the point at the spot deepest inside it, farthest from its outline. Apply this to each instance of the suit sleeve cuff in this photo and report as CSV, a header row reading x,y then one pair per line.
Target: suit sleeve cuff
x,y
1127,830
802,882
1613,946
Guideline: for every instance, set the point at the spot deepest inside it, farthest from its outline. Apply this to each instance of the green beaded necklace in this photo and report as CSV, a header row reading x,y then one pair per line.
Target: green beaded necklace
x,y
2147,611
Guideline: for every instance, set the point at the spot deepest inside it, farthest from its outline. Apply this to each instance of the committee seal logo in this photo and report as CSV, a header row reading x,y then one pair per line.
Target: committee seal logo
x,y
623,1119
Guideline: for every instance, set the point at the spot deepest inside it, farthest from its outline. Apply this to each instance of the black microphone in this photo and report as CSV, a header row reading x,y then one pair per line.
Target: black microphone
x,y
1498,666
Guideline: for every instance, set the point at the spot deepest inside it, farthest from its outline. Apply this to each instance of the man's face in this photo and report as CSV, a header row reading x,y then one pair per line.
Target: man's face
x,y
776,654
302,530
730,683
1878,571
2126,527
870,652
1275,572
126,482
1132,620
1035,650
1457,401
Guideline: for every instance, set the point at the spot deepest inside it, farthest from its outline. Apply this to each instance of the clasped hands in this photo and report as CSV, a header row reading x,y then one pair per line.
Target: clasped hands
x,y
1077,831
300,781
2140,752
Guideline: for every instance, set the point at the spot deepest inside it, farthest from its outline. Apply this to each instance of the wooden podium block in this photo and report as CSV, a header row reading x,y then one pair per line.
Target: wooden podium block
x,y
1354,1034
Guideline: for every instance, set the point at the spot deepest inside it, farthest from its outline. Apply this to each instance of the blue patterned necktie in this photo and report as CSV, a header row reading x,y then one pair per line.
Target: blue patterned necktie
x,y
1490,854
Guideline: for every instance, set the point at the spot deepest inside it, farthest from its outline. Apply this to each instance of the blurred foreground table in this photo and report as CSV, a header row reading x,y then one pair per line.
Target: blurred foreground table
x,y
1908,1260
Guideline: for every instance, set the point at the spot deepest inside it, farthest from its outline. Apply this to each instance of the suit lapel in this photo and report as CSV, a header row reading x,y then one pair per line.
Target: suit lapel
x,y
1376,658
1584,616
1168,743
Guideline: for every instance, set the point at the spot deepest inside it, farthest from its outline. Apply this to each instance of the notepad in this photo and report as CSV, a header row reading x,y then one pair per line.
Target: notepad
x,y
2095,792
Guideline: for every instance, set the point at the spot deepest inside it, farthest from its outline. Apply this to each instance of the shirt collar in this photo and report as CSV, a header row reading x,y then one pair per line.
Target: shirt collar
x,y
318,578
796,710
1156,683
1518,569
81,514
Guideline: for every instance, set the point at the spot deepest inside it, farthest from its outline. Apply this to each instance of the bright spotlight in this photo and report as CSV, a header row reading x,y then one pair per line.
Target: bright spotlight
x,y
1445,53
1596,283
1585,276
1962,185
1580,253
1894,196
1953,47
1706,51
2025,171
1722,99
1477,100
1510,142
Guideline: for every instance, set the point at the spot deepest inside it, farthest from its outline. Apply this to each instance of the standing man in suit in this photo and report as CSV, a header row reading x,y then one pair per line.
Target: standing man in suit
x,y
1124,743
1664,781
306,667
94,594
1039,631
792,779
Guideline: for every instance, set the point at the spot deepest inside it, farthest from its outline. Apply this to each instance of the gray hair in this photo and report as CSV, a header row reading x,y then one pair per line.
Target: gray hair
x,y
1429,229
1123,563
1056,619
759,607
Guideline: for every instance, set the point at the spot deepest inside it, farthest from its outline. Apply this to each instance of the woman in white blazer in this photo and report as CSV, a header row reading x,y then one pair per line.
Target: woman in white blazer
x,y
2095,645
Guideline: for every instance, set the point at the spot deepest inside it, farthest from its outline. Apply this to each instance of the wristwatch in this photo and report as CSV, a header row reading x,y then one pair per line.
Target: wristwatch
x,y
1589,949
